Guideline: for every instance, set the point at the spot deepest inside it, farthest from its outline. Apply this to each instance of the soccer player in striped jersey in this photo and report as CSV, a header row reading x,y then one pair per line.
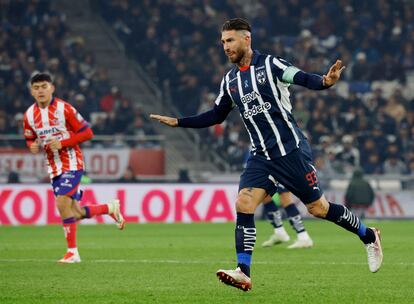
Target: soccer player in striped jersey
x,y
258,86
55,126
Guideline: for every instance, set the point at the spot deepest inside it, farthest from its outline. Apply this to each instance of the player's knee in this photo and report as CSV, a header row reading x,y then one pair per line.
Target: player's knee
x,y
285,199
244,205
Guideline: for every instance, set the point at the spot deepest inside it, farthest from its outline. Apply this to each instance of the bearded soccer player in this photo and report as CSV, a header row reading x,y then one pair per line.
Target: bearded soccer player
x,y
258,86
55,126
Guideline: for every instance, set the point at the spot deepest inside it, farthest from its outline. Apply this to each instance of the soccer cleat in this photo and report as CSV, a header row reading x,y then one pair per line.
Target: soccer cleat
x,y
70,258
374,252
276,238
115,213
235,278
308,243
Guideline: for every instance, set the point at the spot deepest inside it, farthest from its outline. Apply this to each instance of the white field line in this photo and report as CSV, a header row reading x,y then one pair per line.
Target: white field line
x,y
143,261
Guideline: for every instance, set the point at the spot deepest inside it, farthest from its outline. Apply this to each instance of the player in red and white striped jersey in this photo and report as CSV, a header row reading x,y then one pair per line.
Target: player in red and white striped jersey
x,y
55,126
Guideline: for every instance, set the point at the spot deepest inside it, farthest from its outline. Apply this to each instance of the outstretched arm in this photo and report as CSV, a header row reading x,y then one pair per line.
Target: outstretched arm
x,y
215,116
313,81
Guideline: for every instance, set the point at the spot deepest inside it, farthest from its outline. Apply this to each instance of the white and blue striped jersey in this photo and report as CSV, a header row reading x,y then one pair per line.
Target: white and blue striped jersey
x,y
262,97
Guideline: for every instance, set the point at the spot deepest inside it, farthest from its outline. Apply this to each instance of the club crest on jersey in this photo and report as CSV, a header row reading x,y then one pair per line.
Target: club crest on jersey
x,y
261,77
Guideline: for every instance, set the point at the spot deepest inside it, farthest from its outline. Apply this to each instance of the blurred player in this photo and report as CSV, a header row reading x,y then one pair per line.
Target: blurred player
x,y
274,215
258,86
54,125
284,197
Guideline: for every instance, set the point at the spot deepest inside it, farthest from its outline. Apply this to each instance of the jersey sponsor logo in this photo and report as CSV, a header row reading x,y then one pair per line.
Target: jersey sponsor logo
x,y
261,77
257,109
66,183
68,175
249,97
249,238
246,83
48,131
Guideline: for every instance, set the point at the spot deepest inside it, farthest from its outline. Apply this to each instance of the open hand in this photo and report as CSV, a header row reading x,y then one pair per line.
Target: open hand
x,y
34,147
333,74
169,121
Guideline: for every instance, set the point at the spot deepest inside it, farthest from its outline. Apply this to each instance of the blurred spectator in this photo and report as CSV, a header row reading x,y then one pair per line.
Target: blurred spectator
x,y
361,70
183,176
359,195
128,176
13,178
394,165
349,155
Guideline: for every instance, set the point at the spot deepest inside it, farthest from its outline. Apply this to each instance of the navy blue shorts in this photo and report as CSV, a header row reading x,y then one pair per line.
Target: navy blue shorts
x,y
307,152
68,184
294,171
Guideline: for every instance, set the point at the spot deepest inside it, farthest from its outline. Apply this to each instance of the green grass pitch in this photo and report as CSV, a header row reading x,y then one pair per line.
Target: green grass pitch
x,y
176,263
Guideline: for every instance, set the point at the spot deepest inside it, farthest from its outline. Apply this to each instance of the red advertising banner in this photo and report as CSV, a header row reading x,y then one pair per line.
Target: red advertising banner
x,y
172,203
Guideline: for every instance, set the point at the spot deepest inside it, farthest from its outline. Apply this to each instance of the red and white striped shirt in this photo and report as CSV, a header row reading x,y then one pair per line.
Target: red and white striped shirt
x,y
59,121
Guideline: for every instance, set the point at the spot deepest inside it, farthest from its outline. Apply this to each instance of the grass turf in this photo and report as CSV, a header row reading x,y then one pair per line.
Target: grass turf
x,y
176,263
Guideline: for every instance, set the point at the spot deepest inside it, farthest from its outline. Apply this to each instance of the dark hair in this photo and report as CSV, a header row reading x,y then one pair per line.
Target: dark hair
x,y
39,77
237,24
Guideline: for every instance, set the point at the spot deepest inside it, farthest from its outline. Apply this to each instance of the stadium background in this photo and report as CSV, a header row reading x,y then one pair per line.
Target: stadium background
x,y
117,61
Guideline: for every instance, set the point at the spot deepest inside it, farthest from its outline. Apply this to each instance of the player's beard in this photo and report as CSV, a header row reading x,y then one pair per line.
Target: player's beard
x,y
238,58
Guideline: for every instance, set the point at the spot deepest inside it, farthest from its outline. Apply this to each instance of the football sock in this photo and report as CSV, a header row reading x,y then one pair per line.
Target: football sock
x,y
69,228
93,210
341,216
245,240
295,219
273,214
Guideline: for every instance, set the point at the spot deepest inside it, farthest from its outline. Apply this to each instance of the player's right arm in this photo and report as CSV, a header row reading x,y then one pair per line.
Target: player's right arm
x,y
30,136
222,108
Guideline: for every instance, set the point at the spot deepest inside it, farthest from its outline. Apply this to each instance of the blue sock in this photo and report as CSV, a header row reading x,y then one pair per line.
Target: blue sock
x,y
273,214
245,239
295,219
341,216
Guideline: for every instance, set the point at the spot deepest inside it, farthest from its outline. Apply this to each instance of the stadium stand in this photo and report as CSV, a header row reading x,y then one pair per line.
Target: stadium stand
x,y
34,37
373,109
368,120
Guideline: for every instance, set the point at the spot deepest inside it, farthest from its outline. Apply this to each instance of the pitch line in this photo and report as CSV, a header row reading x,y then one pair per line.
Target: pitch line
x,y
144,261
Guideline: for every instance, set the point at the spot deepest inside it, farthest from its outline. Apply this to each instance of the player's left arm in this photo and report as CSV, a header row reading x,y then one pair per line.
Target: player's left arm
x,y
291,74
81,130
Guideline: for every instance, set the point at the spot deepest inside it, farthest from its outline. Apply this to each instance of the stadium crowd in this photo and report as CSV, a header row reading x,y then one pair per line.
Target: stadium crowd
x,y
33,37
367,121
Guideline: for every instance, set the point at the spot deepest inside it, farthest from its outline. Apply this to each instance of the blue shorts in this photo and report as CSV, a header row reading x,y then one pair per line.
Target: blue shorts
x,y
68,184
294,171
307,153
